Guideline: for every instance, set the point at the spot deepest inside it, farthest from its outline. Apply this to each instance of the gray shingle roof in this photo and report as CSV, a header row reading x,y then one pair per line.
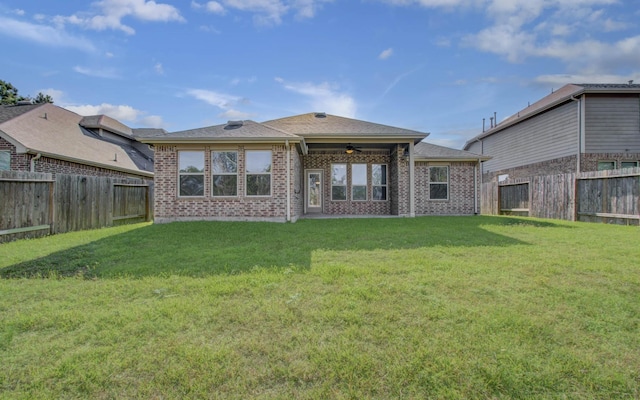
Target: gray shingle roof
x,y
428,151
56,132
12,111
241,130
107,123
321,124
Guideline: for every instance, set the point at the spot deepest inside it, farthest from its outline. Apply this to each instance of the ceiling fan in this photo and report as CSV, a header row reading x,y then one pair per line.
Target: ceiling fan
x,y
350,149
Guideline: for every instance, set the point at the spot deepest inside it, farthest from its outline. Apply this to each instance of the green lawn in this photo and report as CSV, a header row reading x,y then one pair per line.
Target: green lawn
x,y
434,307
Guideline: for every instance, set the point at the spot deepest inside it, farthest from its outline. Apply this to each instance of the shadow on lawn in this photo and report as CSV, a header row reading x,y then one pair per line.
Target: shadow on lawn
x,y
212,248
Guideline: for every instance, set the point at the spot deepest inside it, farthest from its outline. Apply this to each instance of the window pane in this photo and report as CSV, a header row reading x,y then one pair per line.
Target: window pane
x,y
438,174
191,161
359,192
224,162
624,164
438,191
338,193
258,185
359,174
5,161
378,174
224,185
191,185
339,174
606,165
379,193
258,161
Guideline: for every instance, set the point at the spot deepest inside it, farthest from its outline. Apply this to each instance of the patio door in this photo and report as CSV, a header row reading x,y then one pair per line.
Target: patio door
x,y
313,192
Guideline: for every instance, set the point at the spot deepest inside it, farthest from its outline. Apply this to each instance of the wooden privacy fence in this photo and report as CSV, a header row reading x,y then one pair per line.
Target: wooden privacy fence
x,y
598,196
36,204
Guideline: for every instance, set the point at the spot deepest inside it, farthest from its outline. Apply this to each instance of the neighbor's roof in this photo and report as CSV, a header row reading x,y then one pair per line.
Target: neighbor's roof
x,y
107,123
234,131
56,132
8,112
562,95
431,152
313,125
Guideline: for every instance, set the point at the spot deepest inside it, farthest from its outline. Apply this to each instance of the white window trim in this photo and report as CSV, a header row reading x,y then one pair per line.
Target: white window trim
x,y
366,185
346,186
236,174
448,182
386,179
246,174
204,180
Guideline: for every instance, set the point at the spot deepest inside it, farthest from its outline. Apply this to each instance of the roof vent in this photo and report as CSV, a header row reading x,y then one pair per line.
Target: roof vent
x,y
235,123
321,115
24,103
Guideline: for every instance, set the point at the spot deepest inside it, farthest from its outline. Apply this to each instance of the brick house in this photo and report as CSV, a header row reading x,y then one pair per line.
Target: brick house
x,y
48,138
306,165
578,128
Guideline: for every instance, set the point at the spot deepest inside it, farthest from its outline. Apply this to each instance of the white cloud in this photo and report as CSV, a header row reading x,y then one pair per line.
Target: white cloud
x,y
151,121
158,68
42,34
18,11
265,12
324,97
221,100
111,13
58,96
234,115
108,73
563,79
386,54
119,112
123,113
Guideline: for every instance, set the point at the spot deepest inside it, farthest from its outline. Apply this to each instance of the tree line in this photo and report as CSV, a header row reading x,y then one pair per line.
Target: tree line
x,y
9,95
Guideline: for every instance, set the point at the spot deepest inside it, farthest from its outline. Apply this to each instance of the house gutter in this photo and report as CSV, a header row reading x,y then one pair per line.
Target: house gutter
x,y
412,205
32,166
580,131
288,181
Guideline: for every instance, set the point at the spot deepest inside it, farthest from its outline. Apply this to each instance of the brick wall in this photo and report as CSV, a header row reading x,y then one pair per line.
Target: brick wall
x,y
22,162
170,207
323,159
589,161
461,199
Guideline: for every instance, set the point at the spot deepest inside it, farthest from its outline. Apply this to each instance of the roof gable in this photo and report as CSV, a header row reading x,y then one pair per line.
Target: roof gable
x,y
232,131
433,152
322,124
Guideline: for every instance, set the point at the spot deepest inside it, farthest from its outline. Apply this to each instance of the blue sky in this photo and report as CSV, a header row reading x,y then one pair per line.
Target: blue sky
x,y
437,66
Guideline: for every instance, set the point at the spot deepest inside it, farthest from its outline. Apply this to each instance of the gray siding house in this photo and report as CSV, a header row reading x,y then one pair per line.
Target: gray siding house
x,y
308,165
580,127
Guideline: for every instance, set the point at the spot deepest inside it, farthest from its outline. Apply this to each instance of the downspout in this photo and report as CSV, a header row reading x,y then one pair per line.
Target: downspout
x,y
580,131
412,205
33,162
288,180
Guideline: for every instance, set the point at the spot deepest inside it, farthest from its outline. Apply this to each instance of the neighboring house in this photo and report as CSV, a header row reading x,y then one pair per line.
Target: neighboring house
x,y
48,138
580,127
310,164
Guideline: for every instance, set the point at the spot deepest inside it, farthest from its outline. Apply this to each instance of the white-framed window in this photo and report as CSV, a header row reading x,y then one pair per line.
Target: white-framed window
x,y
379,182
606,165
5,160
338,182
258,172
629,164
224,173
359,182
439,182
191,173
